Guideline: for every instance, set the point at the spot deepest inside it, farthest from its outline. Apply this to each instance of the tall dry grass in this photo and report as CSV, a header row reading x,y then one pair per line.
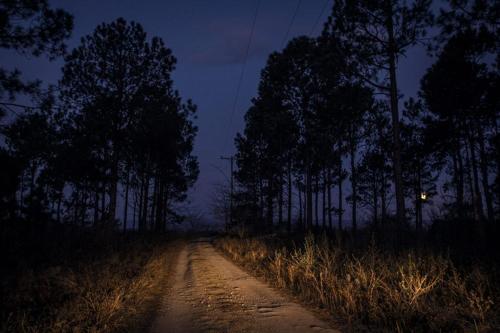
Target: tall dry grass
x,y
376,291
114,293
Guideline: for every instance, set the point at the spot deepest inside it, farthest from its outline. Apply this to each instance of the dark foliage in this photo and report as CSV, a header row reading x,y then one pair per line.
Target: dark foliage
x,y
327,111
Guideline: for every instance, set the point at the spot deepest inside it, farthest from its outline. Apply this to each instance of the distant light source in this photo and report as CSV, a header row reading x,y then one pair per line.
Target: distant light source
x,y
423,196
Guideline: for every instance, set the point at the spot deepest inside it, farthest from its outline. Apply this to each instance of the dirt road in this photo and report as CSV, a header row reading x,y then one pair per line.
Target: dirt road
x,y
208,293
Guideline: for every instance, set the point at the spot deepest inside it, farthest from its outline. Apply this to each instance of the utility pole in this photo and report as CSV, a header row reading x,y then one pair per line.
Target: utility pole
x,y
231,160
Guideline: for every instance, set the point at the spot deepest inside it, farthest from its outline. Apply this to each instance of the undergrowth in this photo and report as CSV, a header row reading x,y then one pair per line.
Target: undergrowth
x,y
377,291
109,290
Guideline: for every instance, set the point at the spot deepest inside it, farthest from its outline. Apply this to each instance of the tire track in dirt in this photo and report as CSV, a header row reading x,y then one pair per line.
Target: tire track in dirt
x,y
208,293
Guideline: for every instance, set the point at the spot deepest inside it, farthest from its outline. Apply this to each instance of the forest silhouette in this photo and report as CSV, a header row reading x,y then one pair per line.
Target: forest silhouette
x,y
381,210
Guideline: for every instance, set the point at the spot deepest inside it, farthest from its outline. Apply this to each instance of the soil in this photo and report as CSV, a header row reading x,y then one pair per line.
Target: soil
x,y
208,293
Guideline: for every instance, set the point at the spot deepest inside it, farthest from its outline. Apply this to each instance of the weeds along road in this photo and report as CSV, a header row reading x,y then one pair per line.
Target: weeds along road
x,y
208,293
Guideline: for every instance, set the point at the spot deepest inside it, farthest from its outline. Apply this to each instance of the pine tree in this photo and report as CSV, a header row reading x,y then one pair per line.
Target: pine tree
x,y
374,34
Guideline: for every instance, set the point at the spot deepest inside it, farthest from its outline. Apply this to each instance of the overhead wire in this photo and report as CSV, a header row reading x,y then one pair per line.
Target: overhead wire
x,y
291,23
318,19
247,51
243,67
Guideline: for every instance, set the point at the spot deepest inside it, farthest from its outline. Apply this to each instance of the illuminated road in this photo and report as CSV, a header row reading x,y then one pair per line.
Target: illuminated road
x,y
208,293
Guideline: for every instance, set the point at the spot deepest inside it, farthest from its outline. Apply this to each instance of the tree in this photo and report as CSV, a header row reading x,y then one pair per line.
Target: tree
x,y
480,16
306,117
374,169
265,153
125,127
118,87
354,101
420,170
454,90
30,27
274,141
475,23
101,80
302,98
9,182
374,34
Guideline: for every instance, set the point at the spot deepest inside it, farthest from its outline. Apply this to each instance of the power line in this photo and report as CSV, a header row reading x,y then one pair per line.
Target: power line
x,y
291,23
247,51
243,67
319,17
8,108
231,160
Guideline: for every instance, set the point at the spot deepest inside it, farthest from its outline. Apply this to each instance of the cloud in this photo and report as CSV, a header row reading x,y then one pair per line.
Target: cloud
x,y
226,44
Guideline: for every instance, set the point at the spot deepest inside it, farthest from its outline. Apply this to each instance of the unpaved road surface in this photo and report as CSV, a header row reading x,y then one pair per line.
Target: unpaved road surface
x,y
208,293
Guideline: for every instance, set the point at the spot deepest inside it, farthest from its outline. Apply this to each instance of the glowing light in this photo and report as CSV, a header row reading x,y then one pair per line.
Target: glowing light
x,y
423,196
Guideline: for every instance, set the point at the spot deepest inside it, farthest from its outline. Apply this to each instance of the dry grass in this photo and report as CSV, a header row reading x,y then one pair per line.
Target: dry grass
x,y
375,291
114,293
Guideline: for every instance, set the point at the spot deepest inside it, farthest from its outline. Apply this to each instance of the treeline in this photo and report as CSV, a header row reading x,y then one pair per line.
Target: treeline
x,y
111,143
325,128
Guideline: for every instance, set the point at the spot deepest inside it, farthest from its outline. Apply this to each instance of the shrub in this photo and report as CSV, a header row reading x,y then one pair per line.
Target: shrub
x,y
115,291
374,290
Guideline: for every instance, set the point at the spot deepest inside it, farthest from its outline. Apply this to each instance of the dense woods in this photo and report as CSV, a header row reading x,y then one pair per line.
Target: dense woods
x,y
110,143
379,209
105,150
398,195
326,145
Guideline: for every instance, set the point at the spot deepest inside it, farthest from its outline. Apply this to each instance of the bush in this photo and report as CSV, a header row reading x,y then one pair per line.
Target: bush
x,y
107,289
374,290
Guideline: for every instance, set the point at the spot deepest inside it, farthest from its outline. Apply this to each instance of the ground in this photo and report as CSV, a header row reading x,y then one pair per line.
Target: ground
x,y
208,293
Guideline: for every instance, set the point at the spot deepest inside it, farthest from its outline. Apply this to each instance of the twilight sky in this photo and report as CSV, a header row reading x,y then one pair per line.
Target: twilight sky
x,y
209,39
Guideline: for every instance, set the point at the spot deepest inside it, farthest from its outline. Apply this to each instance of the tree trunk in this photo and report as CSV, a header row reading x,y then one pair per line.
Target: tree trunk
x,y
75,205
289,206
418,202
353,182
341,209
316,201
21,194
308,201
300,207
96,206
383,202
375,206
32,179
280,201
159,207
270,212
113,190
478,196
484,176
143,222
398,173
59,200
154,201
330,199
165,209
103,202
261,197
125,210
468,174
323,217
83,207
473,181
140,200
134,227
458,177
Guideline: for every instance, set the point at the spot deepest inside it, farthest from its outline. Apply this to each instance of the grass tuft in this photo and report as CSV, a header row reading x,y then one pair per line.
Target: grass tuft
x,y
377,291
114,292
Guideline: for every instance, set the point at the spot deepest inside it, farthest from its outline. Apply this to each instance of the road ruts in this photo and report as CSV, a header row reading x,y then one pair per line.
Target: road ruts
x,y
208,293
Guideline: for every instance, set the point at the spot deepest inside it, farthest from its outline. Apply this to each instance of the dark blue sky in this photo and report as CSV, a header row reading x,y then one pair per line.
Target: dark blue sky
x,y
209,39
